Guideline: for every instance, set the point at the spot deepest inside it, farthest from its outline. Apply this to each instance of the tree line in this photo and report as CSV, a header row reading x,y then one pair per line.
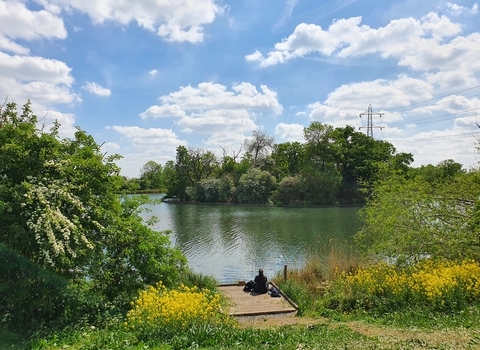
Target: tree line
x,y
332,166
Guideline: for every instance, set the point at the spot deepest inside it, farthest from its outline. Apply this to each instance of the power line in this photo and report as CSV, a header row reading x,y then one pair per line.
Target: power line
x,y
437,118
444,137
434,98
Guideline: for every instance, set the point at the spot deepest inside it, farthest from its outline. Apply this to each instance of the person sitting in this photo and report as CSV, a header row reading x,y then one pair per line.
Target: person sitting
x,y
261,285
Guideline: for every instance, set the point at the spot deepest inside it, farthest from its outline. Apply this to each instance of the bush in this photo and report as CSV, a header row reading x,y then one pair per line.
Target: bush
x,y
33,299
255,186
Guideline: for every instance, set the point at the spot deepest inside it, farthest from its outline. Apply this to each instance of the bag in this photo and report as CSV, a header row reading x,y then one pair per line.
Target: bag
x,y
249,286
274,292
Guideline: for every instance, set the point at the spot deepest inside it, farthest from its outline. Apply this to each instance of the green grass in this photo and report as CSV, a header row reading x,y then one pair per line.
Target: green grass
x,y
330,326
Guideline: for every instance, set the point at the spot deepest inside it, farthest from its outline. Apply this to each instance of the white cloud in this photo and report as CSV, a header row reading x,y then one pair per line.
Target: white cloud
x,y
44,81
153,73
457,143
218,121
290,132
418,44
180,20
215,96
344,104
166,110
455,9
153,137
32,68
111,146
18,22
254,57
225,116
48,116
286,14
96,89
145,145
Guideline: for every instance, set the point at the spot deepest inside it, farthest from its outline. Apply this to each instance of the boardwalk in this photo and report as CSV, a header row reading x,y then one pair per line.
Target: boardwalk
x,y
253,304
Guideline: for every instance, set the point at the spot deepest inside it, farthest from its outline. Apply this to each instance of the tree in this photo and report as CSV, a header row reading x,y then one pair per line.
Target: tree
x,y
195,163
60,210
289,157
255,187
318,148
411,218
151,176
259,145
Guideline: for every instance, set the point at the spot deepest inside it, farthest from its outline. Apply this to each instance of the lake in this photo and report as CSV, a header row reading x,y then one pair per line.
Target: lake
x,y
231,243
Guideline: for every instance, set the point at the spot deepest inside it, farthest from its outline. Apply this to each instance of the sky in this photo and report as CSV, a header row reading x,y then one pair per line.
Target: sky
x,y
145,76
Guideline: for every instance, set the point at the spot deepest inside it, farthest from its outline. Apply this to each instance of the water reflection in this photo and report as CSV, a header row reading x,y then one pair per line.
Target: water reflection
x,y
232,242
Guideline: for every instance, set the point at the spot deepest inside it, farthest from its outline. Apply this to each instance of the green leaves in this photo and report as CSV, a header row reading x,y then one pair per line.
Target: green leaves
x,y
59,209
412,217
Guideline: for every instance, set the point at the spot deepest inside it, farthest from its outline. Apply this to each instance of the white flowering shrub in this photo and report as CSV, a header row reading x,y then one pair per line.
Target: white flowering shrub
x,y
60,209
53,215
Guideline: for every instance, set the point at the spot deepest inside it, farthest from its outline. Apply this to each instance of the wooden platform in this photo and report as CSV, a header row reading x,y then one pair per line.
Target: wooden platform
x,y
254,304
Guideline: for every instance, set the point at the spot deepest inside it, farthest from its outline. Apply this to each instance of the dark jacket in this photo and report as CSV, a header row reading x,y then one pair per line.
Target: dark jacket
x,y
260,284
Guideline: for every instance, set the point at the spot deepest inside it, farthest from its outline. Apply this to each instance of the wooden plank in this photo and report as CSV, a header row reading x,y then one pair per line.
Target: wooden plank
x,y
250,303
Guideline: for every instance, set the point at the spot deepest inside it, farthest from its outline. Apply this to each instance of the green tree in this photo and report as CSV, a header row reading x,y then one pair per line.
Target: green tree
x,y
289,158
411,218
193,165
60,210
255,187
289,190
152,176
319,151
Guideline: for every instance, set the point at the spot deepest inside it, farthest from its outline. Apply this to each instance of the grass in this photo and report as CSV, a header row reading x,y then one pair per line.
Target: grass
x,y
341,316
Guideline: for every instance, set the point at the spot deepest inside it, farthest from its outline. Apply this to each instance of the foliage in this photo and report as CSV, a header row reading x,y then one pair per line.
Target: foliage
x,y
335,165
137,257
255,186
407,218
437,285
151,176
289,158
34,299
192,165
59,209
289,190
162,313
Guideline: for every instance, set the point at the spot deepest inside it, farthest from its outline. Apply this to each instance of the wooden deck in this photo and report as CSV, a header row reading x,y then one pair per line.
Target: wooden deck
x,y
253,304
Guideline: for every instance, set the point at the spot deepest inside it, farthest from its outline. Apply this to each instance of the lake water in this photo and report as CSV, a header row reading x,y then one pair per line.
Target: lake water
x,y
232,242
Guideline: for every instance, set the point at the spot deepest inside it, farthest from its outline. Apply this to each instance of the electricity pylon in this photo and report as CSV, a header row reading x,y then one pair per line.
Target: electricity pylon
x,y
370,126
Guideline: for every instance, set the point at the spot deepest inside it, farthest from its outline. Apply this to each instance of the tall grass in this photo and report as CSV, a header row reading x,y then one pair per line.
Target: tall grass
x,y
338,284
308,284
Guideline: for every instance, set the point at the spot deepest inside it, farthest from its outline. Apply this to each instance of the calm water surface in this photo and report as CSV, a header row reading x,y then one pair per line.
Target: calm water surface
x,y
232,242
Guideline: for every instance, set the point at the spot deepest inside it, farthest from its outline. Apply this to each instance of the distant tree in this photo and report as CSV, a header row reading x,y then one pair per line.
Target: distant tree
x,y
289,190
259,145
289,158
443,170
255,187
151,176
319,150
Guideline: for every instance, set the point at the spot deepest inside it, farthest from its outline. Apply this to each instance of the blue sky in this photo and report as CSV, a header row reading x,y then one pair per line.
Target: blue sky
x,y
145,76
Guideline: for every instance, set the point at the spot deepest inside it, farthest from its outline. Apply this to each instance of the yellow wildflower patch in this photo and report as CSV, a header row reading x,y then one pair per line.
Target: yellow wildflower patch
x,y
159,308
438,283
